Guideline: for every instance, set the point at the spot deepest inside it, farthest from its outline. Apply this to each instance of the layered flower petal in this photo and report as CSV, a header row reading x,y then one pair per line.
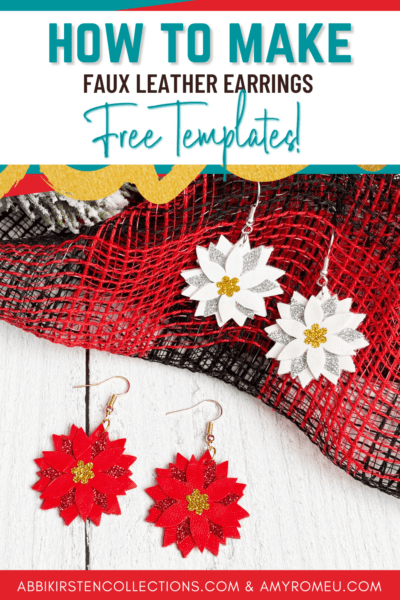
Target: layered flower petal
x,y
82,446
291,327
59,460
200,530
227,307
251,300
336,323
220,488
313,312
234,262
337,346
207,292
174,515
107,459
173,488
293,350
84,500
316,361
194,474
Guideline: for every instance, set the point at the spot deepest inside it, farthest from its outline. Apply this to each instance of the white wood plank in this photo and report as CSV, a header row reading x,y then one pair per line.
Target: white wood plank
x,y
37,400
305,513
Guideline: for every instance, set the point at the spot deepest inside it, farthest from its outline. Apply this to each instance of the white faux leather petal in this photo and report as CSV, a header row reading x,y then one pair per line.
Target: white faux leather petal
x,y
346,363
284,310
313,312
316,361
330,376
356,320
272,328
344,305
292,327
207,292
200,309
224,245
336,345
226,308
299,298
273,273
274,292
188,291
234,262
336,323
266,252
202,254
212,270
305,377
359,343
190,273
251,300
253,278
284,366
239,317
275,351
293,350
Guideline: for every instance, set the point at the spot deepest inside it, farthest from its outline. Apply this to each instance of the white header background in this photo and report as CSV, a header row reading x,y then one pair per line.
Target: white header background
x,y
350,117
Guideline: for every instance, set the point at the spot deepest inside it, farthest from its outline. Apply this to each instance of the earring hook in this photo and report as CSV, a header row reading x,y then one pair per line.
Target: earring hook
x,y
110,405
248,228
323,278
209,435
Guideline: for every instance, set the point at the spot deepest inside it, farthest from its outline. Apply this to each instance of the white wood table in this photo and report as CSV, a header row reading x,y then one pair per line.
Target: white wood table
x,y
305,513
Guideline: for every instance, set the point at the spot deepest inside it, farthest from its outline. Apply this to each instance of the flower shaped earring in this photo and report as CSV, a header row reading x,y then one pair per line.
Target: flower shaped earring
x,y
232,279
195,501
316,336
84,474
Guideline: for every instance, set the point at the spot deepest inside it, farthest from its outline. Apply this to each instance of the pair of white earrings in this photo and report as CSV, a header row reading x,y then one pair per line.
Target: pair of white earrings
x,y
315,336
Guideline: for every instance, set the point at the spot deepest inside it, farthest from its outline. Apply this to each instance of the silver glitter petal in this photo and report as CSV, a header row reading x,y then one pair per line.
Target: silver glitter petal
x,y
246,311
349,335
332,363
329,307
297,311
280,337
250,260
265,286
198,280
216,255
298,365
211,307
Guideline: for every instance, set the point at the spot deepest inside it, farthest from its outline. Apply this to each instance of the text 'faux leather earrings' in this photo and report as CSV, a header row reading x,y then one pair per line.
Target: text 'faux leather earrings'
x,y
84,474
316,336
232,279
196,502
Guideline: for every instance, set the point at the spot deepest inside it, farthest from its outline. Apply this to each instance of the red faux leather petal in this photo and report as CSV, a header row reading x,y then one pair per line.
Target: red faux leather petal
x,y
59,461
186,546
213,544
126,461
173,488
199,529
153,516
232,532
113,505
156,493
221,516
59,486
106,484
163,473
220,488
238,511
222,470
82,446
41,463
169,536
84,500
206,458
181,462
174,515
41,485
194,475
69,514
50,503
117,443
96,434
95,514
107,459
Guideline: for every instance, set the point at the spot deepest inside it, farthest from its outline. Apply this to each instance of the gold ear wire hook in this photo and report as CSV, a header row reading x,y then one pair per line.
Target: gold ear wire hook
x,y
209,435
110,405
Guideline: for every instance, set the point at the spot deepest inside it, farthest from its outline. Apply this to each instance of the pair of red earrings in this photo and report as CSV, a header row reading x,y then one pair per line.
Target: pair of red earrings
x,y
195,501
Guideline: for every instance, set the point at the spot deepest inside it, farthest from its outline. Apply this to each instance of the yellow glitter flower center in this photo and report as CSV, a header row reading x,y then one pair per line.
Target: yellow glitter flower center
x,y
82,472
197,502
228,286
315,336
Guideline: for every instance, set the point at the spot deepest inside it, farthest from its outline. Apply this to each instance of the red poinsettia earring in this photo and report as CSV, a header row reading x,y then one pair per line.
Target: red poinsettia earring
x,y
195,501
85,474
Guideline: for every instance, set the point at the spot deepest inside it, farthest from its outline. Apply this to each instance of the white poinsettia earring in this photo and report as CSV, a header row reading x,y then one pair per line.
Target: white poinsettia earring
x,y
316,336
233,279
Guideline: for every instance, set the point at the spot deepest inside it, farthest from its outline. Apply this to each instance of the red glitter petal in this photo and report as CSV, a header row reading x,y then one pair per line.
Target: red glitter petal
x,y
66,446
116,471
50,473
67,500
182,531
229,499
100,499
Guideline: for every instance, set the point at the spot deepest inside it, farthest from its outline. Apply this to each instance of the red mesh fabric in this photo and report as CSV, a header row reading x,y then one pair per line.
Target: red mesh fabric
x,y
117,287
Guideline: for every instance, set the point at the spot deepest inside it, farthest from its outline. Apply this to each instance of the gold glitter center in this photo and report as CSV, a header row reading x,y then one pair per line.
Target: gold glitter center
x,y
197,502
82,472
315,336
228,286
